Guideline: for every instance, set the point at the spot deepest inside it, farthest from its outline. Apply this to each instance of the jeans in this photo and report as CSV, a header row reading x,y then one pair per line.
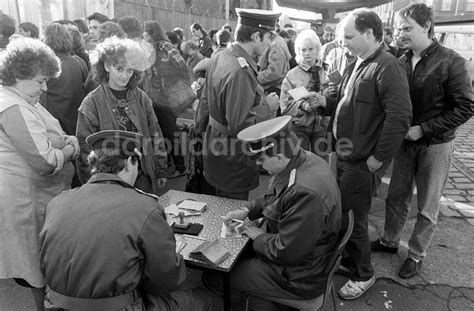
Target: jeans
x,y
308,136
428,167
357,185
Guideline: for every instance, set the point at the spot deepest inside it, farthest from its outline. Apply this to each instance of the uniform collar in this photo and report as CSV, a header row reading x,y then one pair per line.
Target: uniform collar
x,y
108,178
281,180
237,50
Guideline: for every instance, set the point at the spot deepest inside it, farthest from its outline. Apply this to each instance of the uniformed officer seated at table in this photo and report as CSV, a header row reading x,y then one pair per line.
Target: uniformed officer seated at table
x,y
302,213
107,245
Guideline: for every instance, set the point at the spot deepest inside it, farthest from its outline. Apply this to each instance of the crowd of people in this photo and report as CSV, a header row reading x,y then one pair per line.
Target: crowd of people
x,y
88,129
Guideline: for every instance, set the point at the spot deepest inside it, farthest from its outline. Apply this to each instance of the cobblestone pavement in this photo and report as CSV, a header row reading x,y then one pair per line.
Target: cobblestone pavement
x,y
458,198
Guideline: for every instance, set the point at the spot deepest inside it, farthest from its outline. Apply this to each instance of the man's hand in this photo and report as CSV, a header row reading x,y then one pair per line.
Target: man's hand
x,y
273,101
414,133
162,182
238,214
373,164
251,231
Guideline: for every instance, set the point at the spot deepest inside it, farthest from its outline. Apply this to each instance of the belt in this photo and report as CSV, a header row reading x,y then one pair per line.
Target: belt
x,y
223,129
101,304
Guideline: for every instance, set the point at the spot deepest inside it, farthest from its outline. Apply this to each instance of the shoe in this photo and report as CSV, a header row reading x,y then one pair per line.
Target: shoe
x,y
354,289
409,269
177,174
378,246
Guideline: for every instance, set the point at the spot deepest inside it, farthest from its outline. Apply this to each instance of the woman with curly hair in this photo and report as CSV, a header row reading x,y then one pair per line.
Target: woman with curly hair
x,y
35,159
118,104
168,70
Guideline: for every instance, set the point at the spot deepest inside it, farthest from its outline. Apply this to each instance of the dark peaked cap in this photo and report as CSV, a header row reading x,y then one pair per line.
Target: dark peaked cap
x,y
265,20
115,139
269,136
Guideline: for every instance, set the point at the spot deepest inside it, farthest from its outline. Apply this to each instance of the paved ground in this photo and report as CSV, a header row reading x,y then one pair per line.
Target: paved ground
x,y
446,281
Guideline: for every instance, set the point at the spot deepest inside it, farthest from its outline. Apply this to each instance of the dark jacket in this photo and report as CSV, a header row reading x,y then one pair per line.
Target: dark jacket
x,y
376,114
106,239
96,113
440,91
232,93
303,221
66,92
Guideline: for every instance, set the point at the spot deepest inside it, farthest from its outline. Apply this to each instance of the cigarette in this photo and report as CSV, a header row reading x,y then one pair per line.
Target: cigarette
x,y
237,220
193,237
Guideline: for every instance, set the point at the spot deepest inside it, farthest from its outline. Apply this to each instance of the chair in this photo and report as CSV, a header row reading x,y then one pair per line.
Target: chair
x,y
333,264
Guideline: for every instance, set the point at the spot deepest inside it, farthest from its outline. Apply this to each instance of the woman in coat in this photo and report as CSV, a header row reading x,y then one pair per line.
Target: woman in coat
x,y
307,122
118,104
35,156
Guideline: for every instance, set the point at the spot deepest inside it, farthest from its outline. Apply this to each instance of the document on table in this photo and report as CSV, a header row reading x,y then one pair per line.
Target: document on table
x,y
174,210
192,205
229,232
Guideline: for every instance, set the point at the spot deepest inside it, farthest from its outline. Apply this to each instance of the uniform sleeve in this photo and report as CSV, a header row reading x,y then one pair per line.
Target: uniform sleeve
x,y
395,99
28,135
87,124
459,94
239,99
299,229
163,269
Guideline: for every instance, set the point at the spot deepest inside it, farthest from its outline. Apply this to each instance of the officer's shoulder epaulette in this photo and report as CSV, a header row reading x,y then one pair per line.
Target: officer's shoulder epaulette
x,y
243,62
292,178
151,195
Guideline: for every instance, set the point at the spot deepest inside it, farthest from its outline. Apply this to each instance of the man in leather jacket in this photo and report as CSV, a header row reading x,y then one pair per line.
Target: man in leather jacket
x,y
442,98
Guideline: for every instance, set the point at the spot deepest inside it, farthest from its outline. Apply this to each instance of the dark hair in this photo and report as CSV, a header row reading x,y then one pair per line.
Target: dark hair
x,y
243,33
113,51
77,47
212,32
7,25
155,30
110,29
388,31
173,37
31,28
421,13
58,38
367,19
291,32
110,161
101,18
131,25
284,34
81,24
24,58
223,38
198,26
227,27
288,25
179,32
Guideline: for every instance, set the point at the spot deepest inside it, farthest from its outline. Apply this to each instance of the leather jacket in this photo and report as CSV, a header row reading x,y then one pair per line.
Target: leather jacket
x,y
440,91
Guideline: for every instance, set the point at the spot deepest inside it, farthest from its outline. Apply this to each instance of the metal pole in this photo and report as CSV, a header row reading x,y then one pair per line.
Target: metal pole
x,y
227,8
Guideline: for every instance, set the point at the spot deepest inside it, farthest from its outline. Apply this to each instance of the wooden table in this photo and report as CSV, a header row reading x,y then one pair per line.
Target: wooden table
x,y
212,221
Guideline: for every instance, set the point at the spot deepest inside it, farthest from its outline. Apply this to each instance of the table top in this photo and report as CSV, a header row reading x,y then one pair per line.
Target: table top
x,y
211,218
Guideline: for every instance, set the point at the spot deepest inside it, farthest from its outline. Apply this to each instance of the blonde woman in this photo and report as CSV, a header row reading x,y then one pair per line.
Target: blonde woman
x,y
307,121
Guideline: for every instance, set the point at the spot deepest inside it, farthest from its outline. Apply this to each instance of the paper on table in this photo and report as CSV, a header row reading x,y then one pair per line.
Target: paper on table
x,y
180,245
192,205
298,93
173,209
228,232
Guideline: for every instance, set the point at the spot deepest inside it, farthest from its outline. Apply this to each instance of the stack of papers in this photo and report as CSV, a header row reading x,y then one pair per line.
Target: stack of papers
x,y
192,205
187,207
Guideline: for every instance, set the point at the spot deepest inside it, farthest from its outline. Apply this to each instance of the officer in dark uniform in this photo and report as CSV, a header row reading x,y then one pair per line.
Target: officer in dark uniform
x,y
302,211
234,98
107,245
